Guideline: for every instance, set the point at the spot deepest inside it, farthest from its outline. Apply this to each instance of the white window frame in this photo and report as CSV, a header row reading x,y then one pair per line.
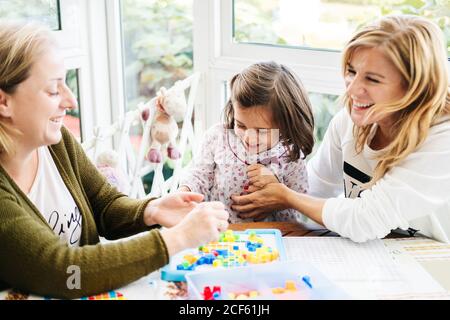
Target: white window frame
x,y
319,70
219,58
84,40
216,57
73,40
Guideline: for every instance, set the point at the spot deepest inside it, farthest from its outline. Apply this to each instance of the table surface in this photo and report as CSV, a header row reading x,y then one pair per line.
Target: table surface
x,y
290,229
177,290
287,229
437,269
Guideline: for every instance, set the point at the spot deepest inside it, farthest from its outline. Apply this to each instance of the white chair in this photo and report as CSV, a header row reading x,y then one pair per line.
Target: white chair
x,y
119,130
160,186
134,163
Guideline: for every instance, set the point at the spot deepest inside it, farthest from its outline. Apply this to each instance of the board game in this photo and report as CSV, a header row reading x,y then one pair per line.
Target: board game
x,y
234,249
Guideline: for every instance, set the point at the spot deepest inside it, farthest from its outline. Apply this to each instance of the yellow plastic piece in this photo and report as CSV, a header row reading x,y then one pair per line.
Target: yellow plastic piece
x,y
251,258
231,296
190,258
253,294
275,254
290,285
267,257
278,290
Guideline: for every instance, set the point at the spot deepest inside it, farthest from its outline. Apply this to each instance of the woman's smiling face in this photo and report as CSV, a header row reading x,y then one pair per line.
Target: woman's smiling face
x,y
38,106
371,78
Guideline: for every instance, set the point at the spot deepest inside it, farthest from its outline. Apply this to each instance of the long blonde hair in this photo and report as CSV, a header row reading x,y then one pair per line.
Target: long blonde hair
x,y
416,47
20,45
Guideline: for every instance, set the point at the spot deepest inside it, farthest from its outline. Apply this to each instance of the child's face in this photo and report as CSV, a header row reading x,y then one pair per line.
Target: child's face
x,y
255,128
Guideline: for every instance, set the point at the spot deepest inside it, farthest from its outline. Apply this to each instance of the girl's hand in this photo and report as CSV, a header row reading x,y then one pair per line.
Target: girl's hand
x,y
169,210
259,176
261,203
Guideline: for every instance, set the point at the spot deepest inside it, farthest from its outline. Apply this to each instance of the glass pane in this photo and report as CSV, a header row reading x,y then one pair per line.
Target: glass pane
x,y
323,24
325,106
157,46
72,120
45,11
158,51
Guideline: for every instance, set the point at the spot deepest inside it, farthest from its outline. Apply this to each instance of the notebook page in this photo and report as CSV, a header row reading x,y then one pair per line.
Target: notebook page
x,y
365,270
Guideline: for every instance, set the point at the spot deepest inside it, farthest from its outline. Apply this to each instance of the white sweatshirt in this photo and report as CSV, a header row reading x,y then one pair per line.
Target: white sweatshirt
x,y
414,194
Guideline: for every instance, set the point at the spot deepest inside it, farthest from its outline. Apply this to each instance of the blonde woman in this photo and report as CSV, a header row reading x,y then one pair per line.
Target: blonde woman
x,y
388,151
54,204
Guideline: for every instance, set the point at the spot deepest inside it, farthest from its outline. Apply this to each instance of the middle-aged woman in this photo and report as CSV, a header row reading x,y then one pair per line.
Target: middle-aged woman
x,y
54,204
390,146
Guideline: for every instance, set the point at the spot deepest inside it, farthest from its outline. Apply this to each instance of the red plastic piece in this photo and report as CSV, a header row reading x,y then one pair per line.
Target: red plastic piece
x,y
207,294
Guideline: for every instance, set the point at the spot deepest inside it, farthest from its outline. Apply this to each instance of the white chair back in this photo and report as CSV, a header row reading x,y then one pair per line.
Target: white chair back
x,y
133,163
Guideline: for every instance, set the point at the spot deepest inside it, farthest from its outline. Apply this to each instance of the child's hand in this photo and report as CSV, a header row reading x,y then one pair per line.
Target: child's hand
x,y
259,176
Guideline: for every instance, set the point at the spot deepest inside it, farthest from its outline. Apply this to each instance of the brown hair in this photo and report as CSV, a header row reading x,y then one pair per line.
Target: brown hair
x,y
415,45
20,45
275,87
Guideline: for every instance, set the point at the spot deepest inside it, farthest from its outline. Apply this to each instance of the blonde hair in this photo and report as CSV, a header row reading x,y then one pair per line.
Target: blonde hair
x,y
20,45
416,47
277,88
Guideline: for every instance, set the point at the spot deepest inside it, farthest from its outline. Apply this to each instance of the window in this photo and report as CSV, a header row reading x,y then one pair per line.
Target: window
x,y
45,11
157,46
240,32
72,119
325,106
157,51
68,20
322,24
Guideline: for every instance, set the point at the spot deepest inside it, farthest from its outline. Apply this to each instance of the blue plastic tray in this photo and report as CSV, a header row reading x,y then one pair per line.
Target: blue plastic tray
x,y
263,278
271,237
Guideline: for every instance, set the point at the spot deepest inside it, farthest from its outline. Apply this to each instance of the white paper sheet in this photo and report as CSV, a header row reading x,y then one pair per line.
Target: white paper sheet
x,y
365,270
421,249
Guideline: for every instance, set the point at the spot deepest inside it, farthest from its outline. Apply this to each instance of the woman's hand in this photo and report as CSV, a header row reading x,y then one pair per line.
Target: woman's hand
x,y
200,226
169,210
259,176
260,203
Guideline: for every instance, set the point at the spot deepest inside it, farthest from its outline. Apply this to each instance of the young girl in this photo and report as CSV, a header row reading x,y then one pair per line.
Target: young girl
x,y
268,131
